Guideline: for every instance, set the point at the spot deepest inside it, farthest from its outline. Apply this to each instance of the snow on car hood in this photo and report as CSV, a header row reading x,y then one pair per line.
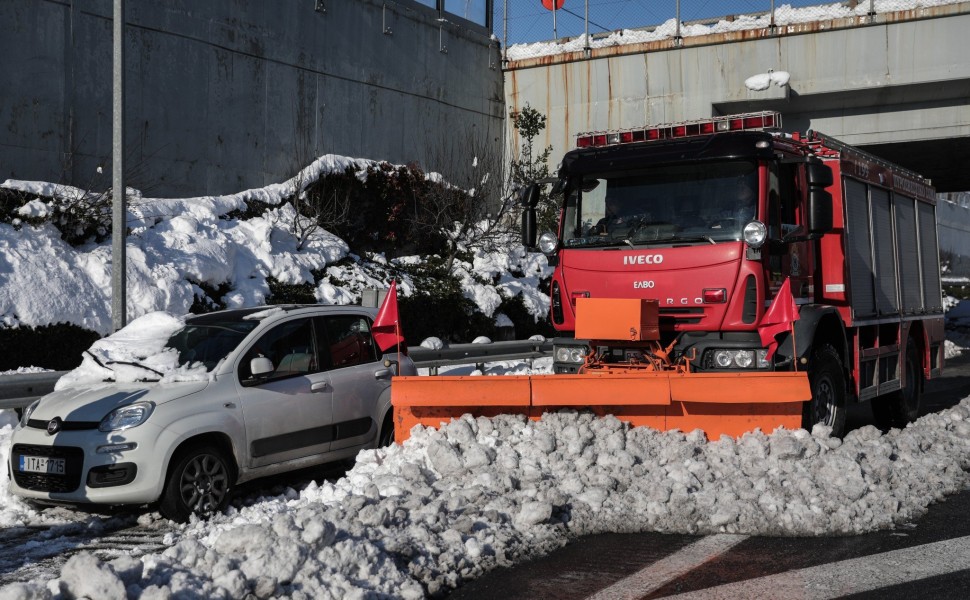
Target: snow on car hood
x,y
135,353
93,402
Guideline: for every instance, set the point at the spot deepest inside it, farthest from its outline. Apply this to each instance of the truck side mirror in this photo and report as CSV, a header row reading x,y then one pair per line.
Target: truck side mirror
x,y
529,227
818,176
819,210
529,196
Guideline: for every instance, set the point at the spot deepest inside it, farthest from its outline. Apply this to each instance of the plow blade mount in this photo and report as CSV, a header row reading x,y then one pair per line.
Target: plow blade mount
x,y
717,403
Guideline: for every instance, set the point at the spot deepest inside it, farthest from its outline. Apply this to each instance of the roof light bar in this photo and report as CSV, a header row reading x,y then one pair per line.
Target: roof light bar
x,y
758,121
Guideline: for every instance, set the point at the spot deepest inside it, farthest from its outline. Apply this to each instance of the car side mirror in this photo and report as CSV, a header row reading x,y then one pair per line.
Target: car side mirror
x,y
261,366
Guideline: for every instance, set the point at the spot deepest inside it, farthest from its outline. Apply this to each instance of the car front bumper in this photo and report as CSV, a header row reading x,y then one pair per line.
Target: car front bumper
x,y
127,476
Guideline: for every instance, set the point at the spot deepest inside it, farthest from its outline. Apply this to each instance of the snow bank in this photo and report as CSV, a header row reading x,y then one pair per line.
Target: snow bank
x,y
785,15
177,244
450,504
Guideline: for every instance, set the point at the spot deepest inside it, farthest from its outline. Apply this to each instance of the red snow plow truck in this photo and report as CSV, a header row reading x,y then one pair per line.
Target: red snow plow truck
x,y
723,275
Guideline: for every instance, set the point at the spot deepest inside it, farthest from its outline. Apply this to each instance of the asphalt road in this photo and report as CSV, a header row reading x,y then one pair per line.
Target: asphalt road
x,y
929,559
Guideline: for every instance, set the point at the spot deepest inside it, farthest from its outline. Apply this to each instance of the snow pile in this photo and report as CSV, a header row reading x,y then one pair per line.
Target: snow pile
x,y
957,320
177,245
785,15
762,81
480,493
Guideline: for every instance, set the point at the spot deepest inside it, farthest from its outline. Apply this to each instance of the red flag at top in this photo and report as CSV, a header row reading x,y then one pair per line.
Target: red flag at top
x,y
778,318
387,327
549,4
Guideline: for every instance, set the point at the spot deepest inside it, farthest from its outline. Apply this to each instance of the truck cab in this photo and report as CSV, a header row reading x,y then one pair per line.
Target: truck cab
x,y
711,219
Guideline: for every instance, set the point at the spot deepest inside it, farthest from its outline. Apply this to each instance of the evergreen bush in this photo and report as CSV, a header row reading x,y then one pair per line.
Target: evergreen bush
x,y
58,347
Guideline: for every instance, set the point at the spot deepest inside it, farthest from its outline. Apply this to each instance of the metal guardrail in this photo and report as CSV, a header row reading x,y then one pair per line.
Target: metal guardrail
x,y
20,389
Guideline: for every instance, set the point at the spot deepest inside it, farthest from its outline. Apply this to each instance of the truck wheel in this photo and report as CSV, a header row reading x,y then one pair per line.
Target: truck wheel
x,y
386,436
198,484
902,407
827,381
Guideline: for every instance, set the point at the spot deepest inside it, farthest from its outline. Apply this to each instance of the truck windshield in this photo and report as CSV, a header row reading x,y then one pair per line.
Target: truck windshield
x,y
699,202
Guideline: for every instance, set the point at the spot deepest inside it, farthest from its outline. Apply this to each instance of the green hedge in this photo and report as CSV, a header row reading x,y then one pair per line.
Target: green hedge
x,y
58,347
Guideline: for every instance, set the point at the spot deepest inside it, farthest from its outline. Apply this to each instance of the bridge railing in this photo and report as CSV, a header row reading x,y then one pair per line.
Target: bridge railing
x,y
20,389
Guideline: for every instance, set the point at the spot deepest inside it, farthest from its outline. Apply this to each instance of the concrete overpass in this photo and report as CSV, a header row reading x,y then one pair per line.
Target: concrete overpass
x,y
895,83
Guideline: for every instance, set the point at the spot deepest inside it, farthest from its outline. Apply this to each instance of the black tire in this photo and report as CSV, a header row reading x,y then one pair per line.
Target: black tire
x,y
386,436
199,484
902,407
827,380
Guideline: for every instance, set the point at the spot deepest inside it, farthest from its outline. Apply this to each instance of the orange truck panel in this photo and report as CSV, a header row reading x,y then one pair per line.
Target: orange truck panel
x,y
718,403
626,319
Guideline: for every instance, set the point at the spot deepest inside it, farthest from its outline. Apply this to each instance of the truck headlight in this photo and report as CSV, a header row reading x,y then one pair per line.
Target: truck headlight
x,y
548,242
755,233
126,417
571,354
741,359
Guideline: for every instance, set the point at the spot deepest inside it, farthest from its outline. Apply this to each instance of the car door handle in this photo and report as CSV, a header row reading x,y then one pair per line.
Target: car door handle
x,y
383,374
320,386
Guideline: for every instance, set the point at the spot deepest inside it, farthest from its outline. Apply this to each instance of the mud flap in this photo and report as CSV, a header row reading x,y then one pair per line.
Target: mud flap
x,y
717,403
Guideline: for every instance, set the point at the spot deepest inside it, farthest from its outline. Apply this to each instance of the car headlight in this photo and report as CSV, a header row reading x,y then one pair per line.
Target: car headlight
x,y
27,412
755,233
126,417
548,242
741,359
571,354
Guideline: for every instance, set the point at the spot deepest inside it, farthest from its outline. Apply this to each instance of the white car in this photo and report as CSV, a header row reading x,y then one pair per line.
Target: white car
x,y
281,389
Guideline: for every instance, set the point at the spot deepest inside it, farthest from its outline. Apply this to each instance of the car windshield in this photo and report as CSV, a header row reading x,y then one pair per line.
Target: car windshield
x,y
208,342
695,203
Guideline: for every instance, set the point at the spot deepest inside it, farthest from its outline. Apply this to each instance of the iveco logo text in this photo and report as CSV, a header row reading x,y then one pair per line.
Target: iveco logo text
x,y
643,259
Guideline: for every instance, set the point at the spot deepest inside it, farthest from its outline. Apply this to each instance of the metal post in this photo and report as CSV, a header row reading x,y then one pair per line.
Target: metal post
x,y
771,24
505,31
119,226
555,33
587,48
677,34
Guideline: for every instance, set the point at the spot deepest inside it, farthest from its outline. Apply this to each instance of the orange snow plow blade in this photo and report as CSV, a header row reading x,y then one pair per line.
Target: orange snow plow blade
x,y
717,403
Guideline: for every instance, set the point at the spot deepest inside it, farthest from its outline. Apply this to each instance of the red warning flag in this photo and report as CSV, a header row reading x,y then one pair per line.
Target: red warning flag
x,y
779,317
387,325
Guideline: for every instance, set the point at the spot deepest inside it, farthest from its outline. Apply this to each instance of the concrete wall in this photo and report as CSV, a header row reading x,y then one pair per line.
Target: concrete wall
x,y
225,95
897,84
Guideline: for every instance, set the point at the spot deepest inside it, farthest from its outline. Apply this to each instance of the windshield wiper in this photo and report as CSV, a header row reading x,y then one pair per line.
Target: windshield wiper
x,y
100,364
667,240
139,365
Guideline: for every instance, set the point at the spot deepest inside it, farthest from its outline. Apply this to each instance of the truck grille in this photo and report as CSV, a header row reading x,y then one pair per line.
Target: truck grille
x,y
680,316
43,482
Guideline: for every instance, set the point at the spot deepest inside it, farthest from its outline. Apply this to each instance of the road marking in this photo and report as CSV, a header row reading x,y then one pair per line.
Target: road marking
x,y
853,576
658,574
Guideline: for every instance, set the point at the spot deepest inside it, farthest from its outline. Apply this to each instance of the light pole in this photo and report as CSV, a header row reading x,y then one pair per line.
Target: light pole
x,y
119,227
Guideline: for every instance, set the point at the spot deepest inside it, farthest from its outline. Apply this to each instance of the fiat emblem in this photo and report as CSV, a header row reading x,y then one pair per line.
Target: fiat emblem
x,y
54,426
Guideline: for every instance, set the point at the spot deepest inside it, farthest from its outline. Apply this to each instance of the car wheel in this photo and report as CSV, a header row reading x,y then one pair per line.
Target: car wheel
x,y
386,436
902,407
198,484
827,381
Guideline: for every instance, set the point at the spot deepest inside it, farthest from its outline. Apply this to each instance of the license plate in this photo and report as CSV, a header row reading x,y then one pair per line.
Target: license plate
x,y
42,464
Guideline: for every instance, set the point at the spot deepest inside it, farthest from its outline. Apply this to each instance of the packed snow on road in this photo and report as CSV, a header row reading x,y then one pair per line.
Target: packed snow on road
x,y
448,505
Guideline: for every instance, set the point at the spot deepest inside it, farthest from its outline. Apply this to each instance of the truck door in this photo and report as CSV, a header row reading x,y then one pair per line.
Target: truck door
x,y
786,221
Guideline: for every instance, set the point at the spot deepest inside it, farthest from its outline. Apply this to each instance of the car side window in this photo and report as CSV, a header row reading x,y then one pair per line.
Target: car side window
x,y
348,338
289,346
